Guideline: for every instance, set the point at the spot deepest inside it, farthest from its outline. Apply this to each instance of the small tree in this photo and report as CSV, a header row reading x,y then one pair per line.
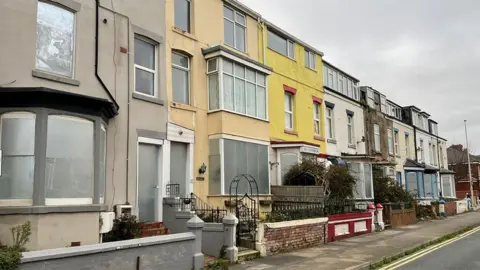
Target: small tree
x,y
309,172
341,183
388,190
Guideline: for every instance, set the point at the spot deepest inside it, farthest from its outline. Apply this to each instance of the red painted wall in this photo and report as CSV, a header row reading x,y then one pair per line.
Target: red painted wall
x,y
350,219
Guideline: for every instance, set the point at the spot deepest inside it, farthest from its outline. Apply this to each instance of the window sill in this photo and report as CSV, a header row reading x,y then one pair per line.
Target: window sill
x,y
244,115
237,50
291,132
148,99
43,209
184,33
311,69
54,78
352,146
288,57
332,141
184,107
318,138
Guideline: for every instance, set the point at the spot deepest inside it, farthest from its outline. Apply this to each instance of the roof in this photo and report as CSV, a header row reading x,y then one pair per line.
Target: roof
x,y
456,156
410,163
425,113
430,120
243,8
413,107
445,171
339,69
396,104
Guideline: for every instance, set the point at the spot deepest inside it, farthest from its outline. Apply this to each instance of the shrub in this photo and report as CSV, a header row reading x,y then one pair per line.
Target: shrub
x,y
309,172
10,256
21,236
341,184
124,228
388,190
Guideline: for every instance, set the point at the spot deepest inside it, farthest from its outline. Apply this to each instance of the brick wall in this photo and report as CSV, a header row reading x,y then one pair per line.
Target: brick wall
x,y
292,235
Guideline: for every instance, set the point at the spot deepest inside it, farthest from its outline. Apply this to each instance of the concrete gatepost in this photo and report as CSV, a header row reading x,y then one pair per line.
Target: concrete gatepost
x,y
231,251
371,209
380,222
195,226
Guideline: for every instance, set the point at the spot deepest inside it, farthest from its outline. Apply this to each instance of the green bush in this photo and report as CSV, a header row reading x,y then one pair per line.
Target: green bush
x,y
387,189
10,256
124,228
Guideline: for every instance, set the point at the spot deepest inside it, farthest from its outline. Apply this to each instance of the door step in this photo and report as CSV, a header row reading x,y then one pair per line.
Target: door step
x,y
245,254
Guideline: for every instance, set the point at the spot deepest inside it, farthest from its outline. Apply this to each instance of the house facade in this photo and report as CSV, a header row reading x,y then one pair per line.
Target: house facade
x,y
217,98
83,116
345,127
458,162
296,127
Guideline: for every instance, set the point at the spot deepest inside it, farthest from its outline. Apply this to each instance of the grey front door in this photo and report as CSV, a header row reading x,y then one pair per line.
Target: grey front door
x,y
148,182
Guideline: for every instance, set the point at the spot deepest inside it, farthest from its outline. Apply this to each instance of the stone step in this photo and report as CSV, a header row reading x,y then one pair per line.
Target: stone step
x,y
247,254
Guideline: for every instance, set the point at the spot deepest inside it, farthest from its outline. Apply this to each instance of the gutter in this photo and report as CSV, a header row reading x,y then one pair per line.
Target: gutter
x,y
97,6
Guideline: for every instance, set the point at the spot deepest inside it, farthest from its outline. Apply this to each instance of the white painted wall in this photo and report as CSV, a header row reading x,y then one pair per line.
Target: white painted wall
x,y
343,104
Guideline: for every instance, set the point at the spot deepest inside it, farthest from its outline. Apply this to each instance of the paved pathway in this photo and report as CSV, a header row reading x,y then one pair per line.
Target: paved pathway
x,y
358,252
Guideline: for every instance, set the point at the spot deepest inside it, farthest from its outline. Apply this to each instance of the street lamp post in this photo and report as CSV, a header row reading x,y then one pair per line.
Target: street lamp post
x,y
469,168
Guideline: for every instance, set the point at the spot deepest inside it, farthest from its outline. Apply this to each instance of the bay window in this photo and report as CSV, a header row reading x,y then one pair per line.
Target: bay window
x,y
448,186
48,157
236,88
363,176
229,158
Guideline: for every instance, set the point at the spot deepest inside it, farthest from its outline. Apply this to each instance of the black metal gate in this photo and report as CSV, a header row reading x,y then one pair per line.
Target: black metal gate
x,y
244,199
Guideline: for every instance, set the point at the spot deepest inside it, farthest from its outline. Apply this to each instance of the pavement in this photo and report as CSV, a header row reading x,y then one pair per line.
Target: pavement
x,y
461,255
359,252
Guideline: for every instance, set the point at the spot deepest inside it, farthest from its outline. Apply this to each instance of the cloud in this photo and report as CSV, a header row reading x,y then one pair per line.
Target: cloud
x,y
416,52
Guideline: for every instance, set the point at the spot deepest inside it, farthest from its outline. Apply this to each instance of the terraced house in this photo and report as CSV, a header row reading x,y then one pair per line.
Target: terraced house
x,y
295,97
83,116
345,127
217,99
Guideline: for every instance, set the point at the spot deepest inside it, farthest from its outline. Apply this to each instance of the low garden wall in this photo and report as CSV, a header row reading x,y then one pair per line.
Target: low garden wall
x,y
176,252
348,225
461,206
451,208
285,236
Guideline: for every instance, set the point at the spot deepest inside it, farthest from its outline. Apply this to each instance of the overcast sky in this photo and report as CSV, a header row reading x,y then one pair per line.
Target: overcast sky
x,y
416,52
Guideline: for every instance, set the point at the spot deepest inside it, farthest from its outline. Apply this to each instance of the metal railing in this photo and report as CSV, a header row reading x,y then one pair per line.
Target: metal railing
x,y
194,204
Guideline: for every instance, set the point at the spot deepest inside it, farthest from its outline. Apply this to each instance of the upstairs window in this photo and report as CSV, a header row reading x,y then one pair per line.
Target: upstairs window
x,y
235,28
281,45
390,141
236,88
396,142
330,123
316,118
182,15
145,59
55,39
422,151
350,134
376,135
181,78
288,111
407,145
310,60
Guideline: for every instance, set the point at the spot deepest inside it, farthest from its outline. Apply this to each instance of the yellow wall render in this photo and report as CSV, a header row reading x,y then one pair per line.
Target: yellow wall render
x,y
307,82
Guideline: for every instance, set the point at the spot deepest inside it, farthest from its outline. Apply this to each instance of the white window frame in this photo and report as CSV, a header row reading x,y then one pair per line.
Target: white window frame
x,y
396,142
331,79
434,152
316,118
308,63
220,71
376,134
288,113
440,150
290,54
189,15
390,141
188,73
235,23
154,72
350,125
407,145
329,116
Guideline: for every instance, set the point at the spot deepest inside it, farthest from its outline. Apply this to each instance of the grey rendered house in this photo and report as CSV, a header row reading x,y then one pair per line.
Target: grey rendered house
x,y
82,115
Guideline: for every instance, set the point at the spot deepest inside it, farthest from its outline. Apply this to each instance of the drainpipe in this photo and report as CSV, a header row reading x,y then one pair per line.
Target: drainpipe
x,y
439,167
97,15
415,142
262,25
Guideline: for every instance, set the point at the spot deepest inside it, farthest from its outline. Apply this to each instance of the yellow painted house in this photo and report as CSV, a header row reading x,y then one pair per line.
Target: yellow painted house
x,y
217,90
295,94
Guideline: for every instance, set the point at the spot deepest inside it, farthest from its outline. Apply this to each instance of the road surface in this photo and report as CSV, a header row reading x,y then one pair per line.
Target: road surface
x,y
463,254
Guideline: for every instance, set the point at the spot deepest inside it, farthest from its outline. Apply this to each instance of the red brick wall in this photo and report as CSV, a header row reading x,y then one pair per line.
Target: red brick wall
x,y
450,208
293,236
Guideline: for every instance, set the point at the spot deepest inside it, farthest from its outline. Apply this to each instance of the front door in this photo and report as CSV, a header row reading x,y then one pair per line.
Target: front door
x,y
178,166
148,182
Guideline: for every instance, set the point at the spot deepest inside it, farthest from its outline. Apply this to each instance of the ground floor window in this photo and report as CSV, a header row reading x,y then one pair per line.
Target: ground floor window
x,y
364,185
448,187
229,158
54,150
423,185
